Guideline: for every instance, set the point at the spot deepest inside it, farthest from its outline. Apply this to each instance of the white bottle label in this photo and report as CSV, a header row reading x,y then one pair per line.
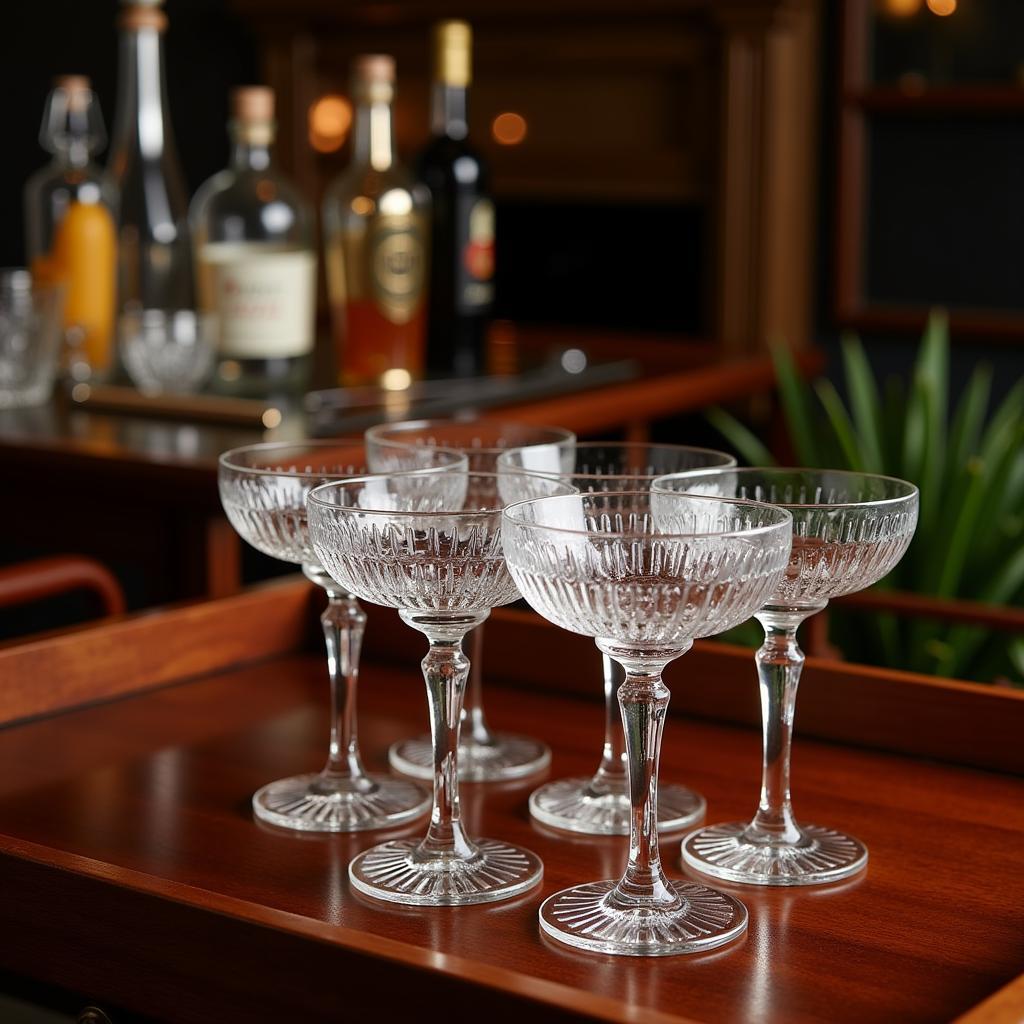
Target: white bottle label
x,y
262,298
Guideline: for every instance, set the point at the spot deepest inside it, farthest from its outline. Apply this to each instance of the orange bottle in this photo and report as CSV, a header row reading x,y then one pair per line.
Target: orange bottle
x,y
70,223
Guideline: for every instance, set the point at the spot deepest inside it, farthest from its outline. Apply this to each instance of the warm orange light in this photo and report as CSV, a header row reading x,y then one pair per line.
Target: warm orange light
x,y
330,118
509,129
942,8
901,8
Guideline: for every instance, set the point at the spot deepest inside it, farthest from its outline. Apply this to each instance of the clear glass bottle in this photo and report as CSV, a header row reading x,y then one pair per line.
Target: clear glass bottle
x,y
158,329
255,260
70,207
375,236
461,287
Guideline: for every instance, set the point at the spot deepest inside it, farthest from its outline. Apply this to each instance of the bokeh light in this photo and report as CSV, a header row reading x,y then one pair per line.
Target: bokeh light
x,y
330,118
509,129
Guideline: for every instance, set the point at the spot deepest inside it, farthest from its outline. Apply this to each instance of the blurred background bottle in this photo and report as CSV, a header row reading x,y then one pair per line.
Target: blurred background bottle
x,y
461,288
255,261
375,237
70,207
158,329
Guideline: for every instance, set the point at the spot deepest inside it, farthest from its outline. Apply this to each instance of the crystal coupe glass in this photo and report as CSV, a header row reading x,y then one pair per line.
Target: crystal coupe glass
x,y
484,755
644,574
599,805
440,563
263,489
849,530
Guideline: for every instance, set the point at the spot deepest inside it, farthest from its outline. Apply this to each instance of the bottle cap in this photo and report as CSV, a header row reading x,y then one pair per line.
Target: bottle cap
x,y
373,78
77,90
253,104
374,67
453,48
141,14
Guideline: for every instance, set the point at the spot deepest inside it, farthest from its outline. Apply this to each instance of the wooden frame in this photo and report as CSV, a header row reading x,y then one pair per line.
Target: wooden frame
x,y
857,98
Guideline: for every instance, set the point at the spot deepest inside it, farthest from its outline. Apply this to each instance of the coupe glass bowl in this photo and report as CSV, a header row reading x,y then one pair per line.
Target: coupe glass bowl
x,y
644,574
484,755
849,530
599,805
263,489
439,561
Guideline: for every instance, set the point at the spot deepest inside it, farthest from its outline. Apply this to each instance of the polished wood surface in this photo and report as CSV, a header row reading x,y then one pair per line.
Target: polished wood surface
x,y
134,872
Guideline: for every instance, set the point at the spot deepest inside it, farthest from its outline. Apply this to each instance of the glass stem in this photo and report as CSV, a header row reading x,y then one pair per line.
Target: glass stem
x,y
610,776
779,663
473,711
344,623
445,671
643,702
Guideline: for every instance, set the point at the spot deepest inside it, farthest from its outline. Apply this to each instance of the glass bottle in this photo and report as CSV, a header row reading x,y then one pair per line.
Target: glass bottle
x,y
375,234
462,217
158,328
70,206
256,265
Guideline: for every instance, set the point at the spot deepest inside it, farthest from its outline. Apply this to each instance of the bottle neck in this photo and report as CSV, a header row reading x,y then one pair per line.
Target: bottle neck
x,y
142,119
374,135
251,150
73,155
449,111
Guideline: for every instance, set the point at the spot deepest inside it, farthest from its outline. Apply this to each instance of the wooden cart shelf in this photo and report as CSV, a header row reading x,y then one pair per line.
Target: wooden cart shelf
x,y
135,875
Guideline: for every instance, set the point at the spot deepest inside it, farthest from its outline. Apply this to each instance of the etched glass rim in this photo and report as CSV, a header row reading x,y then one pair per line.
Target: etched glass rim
x,y
375,434
753,531
225,459
623,446
316,498
910,490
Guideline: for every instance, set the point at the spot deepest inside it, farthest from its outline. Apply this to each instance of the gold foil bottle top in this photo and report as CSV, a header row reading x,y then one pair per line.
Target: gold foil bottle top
x,y
373,77
253,104
453,49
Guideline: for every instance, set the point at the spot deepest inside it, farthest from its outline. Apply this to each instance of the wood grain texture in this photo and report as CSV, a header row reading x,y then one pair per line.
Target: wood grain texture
x,y
56,672
143,880
903,712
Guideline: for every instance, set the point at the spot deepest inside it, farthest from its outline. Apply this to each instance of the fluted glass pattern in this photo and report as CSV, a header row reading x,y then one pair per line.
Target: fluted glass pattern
x,y
263,488
849,529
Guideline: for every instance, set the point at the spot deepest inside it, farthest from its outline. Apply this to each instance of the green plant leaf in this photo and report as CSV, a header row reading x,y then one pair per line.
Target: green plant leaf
x,y
747,445
796,406
839,420
864,403
968,420
894,406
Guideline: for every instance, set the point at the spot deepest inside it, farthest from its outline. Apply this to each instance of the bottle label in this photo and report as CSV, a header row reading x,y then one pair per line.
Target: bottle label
x,y
475,273
397,268
262,297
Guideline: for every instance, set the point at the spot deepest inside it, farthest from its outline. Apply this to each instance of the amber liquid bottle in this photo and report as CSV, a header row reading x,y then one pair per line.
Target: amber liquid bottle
x,y
375,239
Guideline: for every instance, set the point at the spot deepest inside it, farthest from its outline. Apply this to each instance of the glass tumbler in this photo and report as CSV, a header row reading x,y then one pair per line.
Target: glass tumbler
x,y
30,338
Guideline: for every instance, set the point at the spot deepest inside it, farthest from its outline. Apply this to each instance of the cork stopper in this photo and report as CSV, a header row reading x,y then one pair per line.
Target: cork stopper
x,y
137,15
253,104
77,91
453,48
378,68
373,78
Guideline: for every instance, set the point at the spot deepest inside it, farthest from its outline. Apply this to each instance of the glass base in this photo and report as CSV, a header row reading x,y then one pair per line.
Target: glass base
x,y
586,917
308,803
723,852
573,805
392,872
509,757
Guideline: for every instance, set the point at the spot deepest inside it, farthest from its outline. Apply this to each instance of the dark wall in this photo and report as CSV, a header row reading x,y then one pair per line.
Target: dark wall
x,y
207,51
